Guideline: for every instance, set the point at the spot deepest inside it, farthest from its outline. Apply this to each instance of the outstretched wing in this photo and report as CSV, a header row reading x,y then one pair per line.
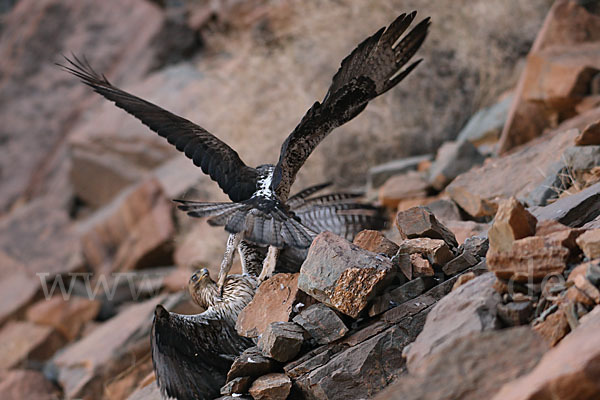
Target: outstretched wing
x,y
192,354
216,158
370,70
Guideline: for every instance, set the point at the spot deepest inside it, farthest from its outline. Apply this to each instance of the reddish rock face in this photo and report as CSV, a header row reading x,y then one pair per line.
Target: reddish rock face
x,y
420,222
556,75
66,316
271,387
26,384
135,231
530,258
435,250
410,185
274,301
553,328
512,222
281,341
376,242
23,340
589,242
589,136
569,371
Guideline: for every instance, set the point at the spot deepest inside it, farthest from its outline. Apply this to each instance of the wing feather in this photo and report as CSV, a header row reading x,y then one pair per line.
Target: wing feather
x,y
214,156
370,70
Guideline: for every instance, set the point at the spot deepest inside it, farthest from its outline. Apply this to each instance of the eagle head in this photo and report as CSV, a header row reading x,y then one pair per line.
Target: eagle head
x,y
202,288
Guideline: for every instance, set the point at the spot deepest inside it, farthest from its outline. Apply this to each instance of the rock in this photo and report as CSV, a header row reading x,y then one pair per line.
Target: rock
x,y
459,263
281,341
470,308
35,47
549,79
531,258
367,360
274,301
547,227
512,222
18,287
566,238
410,185
66,316
84,366
250,363
515,313
444,376
127,382
444,210
134,231
41,239
342,275
376,242
590,136
464,230
589,242
420,222
567,371
271,386
452,159
237,385
149,392
27,384
436,250
583,276
22,340
401,294
555,182
462,279
581,158
476,245
379,174
553,328
575,210
479,190
486,124
322,323
420,266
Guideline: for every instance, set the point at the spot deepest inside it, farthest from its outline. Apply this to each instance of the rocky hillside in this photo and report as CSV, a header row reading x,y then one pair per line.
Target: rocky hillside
x,y
487,158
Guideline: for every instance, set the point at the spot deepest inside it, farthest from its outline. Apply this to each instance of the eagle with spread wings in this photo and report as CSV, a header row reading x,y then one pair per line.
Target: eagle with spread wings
x,y
258,211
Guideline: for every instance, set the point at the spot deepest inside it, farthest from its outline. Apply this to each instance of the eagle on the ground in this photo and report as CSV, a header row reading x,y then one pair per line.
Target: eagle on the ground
x,y
258,211
192,354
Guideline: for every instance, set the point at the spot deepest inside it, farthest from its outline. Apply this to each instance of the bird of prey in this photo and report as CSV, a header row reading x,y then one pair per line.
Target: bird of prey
x,y
192,354
258,211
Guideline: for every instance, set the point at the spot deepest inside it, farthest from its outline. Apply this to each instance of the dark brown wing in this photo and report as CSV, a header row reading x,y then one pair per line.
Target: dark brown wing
x,y
370,70
216,158
192,354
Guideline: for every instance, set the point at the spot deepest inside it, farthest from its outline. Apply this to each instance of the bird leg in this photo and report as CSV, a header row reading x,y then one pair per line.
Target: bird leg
x,y
269,263
251,257
232,243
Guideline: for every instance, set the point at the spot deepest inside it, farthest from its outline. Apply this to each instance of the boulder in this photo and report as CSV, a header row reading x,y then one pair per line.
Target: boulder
x,y
452,159
66,316
512,222
21,341
410,185
420,222
271,386
590,136
250,363
376,242
589,242
21,384
568,371
275,301
444,377
134,231
281,341
471,308
322,323
342,275
532,258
